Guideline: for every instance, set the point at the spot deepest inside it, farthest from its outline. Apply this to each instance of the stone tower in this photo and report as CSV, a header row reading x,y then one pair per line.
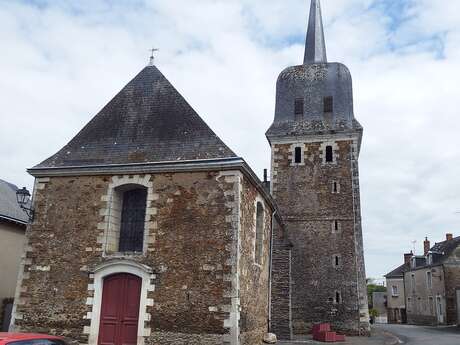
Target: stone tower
x,y
315,143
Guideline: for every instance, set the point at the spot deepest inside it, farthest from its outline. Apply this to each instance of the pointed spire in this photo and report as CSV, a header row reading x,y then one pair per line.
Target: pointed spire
x,y
315,47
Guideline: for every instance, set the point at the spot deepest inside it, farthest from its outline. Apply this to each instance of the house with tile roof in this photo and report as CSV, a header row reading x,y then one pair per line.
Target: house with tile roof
x,y
13,222
396,300
432,284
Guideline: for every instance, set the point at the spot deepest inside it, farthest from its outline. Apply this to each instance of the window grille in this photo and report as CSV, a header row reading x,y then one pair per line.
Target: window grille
x,y
298,108
133,220
328,104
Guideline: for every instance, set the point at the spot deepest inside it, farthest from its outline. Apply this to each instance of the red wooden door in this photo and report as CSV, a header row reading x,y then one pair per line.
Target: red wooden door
x,y
120,310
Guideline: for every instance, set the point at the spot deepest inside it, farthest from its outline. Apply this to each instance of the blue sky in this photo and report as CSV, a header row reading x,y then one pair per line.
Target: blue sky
x,y
62,61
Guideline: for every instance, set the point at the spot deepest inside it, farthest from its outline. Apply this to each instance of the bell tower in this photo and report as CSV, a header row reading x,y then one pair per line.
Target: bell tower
x,y
315,143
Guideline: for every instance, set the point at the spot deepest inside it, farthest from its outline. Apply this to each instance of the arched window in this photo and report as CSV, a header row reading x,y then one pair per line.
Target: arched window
x,y
259,233
132,221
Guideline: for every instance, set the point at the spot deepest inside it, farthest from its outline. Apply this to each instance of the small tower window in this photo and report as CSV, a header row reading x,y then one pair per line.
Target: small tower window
x,y
328,104
336,261
298,108
336,226
335,187
298,155
329,154
338,297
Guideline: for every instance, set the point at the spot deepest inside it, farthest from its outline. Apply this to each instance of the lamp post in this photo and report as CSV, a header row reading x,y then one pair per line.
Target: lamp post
x,y
23,199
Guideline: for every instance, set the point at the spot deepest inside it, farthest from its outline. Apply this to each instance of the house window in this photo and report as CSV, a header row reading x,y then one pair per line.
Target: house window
x,y
413,282
431,302
132,223
394,291
328,104
259,233
429,280
298,155
338,297
298,108
329,154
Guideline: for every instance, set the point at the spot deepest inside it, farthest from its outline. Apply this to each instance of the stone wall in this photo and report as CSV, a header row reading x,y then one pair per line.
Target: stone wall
x,y
322,223
254,277
452,275
281,316
421,301
193,237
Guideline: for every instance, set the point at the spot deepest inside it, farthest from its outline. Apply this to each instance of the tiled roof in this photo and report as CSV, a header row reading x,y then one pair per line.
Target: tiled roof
x,y
442,250
9,208
147,121
398,272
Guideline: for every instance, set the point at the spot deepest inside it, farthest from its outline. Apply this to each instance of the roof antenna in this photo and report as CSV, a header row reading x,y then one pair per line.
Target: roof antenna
x,y
413,244
152,56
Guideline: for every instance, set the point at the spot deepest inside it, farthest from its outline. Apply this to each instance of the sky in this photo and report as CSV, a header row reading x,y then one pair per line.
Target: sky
x,y
62,61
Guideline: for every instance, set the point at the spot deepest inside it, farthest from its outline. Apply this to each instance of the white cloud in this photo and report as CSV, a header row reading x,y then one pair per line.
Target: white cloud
x,y
62,62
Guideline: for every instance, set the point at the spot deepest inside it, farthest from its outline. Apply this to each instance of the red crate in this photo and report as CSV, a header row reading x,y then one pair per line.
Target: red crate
x,y
326,337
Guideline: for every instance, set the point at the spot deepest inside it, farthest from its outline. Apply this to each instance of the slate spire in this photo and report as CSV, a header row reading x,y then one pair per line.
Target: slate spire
x,y
315,47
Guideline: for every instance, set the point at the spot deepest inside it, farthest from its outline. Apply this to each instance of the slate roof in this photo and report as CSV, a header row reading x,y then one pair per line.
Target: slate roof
x,y
148,121
9,208
442,250
398,272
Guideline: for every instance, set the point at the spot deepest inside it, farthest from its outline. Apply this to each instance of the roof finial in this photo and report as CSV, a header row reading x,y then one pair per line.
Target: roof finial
x,y
152,56
315,47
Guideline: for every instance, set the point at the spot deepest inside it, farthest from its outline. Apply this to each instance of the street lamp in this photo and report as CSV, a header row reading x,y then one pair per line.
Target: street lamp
x,y
23,199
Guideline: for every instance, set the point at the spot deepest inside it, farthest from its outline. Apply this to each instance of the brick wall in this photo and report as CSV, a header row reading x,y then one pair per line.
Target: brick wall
x,y
191,250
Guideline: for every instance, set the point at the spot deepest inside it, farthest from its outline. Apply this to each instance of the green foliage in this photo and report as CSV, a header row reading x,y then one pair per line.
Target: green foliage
x,y
373,313
371,288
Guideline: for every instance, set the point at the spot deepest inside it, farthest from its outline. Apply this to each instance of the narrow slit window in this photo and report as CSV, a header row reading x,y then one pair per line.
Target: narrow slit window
x,y
336,261
298,155
338,297
328,104
335,187
329,154
259,245
336,225
298,108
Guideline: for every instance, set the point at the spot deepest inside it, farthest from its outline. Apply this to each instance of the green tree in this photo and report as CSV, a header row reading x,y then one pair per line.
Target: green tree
x,y
372,287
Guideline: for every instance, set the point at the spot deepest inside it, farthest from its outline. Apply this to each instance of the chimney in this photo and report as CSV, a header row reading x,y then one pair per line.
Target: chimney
x,y
407,257
426,246
265,175
449,237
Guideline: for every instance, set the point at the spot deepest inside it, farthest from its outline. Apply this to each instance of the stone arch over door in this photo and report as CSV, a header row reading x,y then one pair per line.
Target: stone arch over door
x,y
113,268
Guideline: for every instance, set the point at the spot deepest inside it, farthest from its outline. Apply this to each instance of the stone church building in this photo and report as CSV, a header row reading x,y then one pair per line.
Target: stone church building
x,y
149,229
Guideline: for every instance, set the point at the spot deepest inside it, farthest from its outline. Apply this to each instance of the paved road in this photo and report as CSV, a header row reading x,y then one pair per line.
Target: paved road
x,y
419,335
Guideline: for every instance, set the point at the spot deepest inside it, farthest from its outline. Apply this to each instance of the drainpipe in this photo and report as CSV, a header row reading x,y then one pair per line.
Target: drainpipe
x,y
270,275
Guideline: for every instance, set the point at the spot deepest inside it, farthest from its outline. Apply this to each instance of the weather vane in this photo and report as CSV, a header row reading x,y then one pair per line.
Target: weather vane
x,y
152,56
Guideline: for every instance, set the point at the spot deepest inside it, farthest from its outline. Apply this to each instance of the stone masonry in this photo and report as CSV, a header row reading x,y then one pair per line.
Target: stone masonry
x,y
321,225
204,285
